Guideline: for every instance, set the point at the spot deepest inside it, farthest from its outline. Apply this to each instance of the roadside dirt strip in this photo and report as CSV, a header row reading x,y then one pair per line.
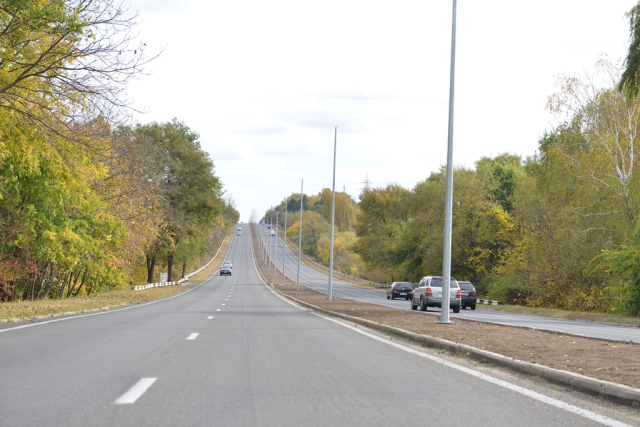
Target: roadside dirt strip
x,y
610,369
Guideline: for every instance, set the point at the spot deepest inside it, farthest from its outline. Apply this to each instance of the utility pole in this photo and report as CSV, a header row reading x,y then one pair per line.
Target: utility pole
x,y
333,216
284,250
446,258
300,234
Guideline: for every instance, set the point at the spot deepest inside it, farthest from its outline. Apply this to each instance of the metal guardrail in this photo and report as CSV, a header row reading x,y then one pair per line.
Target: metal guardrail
x,y
489,302
184,279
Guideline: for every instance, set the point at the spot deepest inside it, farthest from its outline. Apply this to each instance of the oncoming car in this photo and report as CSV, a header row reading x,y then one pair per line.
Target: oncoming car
x,y
225,270
228,264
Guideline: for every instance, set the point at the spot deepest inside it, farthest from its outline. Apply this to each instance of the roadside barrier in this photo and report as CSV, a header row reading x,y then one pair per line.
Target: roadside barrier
x,y
489,302
181,281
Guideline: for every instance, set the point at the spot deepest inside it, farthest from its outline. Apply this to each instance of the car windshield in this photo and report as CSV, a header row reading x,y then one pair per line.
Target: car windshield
x,y
467,286
436,282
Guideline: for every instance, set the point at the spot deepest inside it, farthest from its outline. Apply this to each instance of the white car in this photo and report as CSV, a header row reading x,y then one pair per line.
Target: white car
x,y
227,264
429,294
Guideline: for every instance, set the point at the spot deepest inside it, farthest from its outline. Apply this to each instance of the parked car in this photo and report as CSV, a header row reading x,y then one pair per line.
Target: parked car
x,y
228,264
400,290
428,293
469,294
225,270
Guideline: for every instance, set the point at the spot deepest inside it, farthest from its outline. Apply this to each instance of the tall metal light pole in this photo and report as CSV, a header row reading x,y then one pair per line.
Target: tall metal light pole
x,y
276,236
333,216
284,249
300,234
270,228
446,256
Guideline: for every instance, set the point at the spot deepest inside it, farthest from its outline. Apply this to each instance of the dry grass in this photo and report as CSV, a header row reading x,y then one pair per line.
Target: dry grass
x,y
28,310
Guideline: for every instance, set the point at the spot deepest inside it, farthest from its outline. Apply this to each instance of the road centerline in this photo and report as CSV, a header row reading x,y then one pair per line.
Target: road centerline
x,y
135,392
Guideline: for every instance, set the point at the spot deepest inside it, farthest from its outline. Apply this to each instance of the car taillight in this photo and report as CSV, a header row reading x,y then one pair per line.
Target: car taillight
x,y
474,294
428,292
458,294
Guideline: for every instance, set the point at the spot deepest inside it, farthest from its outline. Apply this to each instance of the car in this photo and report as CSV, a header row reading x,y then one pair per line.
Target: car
x,y
239,228
225,270
228,264
469,294
428,293
400,289
239,233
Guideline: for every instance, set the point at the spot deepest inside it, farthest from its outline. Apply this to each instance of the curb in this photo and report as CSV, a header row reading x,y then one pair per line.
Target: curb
x,y
617,393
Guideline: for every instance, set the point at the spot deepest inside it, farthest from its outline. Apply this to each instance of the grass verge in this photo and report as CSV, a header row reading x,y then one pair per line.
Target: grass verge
x,y
557,313
28,310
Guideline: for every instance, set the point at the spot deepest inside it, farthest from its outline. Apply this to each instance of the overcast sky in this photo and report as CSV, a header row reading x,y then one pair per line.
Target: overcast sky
x,y
265,82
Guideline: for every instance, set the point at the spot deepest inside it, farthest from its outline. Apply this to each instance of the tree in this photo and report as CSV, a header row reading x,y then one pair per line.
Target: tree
x,y
66,62
630,79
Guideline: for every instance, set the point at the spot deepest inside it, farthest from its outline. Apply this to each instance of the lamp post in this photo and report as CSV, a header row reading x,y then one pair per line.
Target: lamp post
x,y
300,234
276,236
333,216
446,258
284,249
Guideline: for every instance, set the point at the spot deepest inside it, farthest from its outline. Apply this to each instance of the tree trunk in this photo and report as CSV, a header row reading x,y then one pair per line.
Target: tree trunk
x,y
52,278
184,267
90,289
169,266
151,265
36,292
64,284
84,276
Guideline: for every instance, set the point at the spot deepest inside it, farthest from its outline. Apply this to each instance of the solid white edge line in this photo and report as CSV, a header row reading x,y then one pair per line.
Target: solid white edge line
x,y
521,390
135,392
267,286
193,336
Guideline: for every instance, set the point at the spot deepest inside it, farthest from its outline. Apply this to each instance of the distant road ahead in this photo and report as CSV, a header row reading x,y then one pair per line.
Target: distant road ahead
x,y
319,281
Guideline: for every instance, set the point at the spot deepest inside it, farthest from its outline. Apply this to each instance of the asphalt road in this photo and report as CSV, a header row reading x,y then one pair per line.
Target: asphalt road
x,y
319,281
229,352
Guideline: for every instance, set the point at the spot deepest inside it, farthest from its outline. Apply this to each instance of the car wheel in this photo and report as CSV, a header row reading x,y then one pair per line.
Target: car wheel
x,y
423,305
388,296
413,306
456,309
392,297
473,307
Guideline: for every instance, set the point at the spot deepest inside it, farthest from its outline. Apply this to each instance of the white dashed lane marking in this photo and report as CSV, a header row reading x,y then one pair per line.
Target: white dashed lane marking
x,y
136,391
193,336
210,317
219,309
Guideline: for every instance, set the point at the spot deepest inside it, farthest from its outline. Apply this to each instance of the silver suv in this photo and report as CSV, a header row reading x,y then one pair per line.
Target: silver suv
x,y
428,293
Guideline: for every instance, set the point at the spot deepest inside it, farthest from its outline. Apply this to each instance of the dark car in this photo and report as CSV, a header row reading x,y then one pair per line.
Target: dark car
x,y
469,294
400,290
225,269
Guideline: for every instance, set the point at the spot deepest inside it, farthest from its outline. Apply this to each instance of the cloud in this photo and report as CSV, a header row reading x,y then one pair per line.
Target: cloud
x,y
323,119
269,129
356,95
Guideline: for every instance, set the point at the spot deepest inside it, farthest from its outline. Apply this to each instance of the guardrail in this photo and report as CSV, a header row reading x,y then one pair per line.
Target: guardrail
x,y
489,302
184,279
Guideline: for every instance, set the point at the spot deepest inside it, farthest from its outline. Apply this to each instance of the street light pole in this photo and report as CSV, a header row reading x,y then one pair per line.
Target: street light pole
x,y
270,228
276,236
446,258
284,249
333,216
300,234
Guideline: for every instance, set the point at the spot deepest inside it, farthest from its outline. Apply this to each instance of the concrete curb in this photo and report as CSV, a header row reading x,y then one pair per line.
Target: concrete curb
x,y
617,393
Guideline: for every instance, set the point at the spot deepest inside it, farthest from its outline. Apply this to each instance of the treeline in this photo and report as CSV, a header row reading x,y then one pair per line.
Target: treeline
x,y
87,202
557,229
